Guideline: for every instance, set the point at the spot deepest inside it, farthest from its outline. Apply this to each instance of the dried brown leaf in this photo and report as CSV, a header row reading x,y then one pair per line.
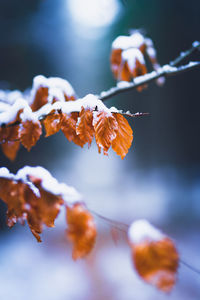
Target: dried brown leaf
x,y
10,149
157,262
105,130
124,137
68,127
30,133
52,123
81,230
41,98
85,129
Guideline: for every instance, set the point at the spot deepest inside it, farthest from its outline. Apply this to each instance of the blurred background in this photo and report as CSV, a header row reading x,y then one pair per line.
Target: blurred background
x,y
158,180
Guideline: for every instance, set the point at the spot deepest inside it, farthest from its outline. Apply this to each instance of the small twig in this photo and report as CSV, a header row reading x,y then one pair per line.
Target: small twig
x,y
116,224
189,266
165,71
43,117
124,228
185,54
9,141
129,114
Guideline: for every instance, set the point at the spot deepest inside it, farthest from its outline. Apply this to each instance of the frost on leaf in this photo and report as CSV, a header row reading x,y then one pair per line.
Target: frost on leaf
x,y
49,90
52,123
154,255
105,127
127,57
30,133
43,209
33,195
81,230
68,127
124,136
79,120
85,129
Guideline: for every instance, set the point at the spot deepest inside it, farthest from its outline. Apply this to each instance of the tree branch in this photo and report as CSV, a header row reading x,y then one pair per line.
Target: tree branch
x,y
185,54
166,71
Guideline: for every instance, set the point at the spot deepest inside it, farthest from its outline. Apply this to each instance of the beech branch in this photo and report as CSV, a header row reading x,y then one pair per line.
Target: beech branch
x,y
185,54
165,71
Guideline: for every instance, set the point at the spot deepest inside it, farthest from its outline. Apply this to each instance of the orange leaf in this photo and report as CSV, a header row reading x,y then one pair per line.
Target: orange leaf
x,y
105,130
30,133
9,133
52,123
10,149
124,137
23,204
43,209
41,98
85,128
69,98
115,60
68,127
154,255
81,230
11,193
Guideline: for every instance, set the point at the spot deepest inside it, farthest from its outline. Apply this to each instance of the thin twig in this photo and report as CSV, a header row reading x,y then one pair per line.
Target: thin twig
x,y
124,228
189,266
43,117
116,224
165,71
185,54
9,141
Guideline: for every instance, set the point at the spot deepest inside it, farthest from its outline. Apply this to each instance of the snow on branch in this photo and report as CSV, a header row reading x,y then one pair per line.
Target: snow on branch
x,y
164,71
79,120
129,67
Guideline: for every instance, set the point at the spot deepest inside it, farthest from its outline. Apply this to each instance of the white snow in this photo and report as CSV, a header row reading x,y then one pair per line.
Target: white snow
x,y
49,183
136,40
10,114
167,69
10,97
28,115
55,93
4,172
90,101
4,106
151,52
130,56
196,44
57,86
142,231
124,84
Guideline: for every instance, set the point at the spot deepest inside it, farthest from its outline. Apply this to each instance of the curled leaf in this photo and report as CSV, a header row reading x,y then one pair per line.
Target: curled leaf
x,y
81,230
